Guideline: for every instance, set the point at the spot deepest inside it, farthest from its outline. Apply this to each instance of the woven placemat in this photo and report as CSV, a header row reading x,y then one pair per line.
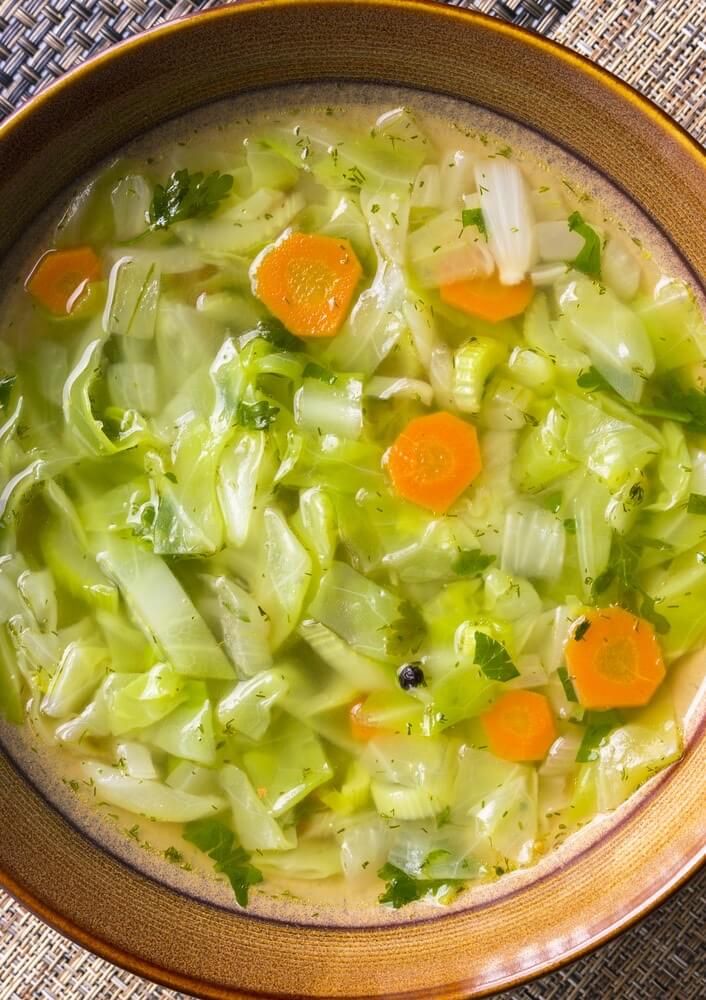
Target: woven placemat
x,y
658,46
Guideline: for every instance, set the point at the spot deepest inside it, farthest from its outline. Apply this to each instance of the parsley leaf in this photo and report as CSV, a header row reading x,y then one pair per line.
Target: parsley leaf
x,y
312,370
588,259
215,839
672,402
274,333
552,502
493,659
402,888
6,384
591,380
258,415
649,612
187,196
406,633
622,570
696,504
471,562
474,217
598,727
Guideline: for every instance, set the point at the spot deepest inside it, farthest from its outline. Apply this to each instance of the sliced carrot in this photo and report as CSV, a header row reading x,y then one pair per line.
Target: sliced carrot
x,y
488,298
434,460
520,726
360,730
307,281
60,278
614,659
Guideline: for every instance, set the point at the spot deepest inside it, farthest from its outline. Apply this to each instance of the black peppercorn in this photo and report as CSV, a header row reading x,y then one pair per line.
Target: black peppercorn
x,y
410,675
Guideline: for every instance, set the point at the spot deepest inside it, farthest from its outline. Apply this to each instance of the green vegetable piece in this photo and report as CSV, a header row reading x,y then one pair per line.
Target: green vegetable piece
x,y
471,562
474,217
493,659
257,416
215,839
312,370
598,727
696,504
187,196
567,684
402,888
588,259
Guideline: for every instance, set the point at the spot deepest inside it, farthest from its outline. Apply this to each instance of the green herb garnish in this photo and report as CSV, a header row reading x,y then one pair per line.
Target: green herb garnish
x,y
471,562
598,727
588,259
312,370
274,333
592,380
215,839
474,217
187,196
622,570
257,416
493,659
406,633
402,888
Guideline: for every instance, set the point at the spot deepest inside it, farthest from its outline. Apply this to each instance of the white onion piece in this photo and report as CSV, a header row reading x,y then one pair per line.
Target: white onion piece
x,y
508,218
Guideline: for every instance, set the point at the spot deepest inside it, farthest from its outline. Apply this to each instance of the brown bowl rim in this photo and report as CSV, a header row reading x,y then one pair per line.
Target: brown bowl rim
x,y
663,122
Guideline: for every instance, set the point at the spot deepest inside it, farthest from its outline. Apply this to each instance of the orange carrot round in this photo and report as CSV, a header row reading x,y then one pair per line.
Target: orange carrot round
x,y
434,460
488,298
614,659
307,281
60,278
520,726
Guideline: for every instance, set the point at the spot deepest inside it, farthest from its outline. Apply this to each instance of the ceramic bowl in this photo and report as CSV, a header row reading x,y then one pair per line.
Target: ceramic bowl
x,y
616,869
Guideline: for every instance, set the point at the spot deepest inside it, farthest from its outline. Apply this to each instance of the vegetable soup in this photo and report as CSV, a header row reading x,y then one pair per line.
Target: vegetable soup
x,y
353,500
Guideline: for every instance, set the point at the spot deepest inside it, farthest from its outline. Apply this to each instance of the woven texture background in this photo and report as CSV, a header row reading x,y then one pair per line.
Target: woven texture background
x,y
657,45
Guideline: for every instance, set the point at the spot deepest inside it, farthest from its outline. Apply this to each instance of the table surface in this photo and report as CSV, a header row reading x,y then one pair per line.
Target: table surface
x,y
657,46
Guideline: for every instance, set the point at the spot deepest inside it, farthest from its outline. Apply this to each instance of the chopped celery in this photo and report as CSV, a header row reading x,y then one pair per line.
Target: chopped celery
x,y
474,362
534,542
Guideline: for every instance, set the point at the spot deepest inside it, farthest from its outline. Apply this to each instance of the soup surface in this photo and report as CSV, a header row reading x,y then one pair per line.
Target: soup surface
x,y
353,501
